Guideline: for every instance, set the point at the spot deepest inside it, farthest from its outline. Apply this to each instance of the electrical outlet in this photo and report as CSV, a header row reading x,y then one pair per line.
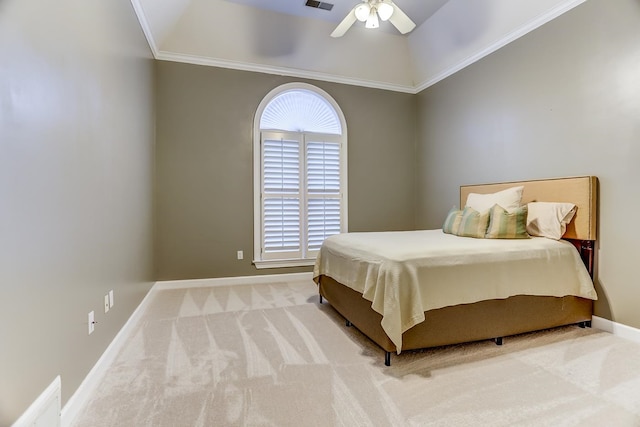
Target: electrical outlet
x,y
111,298
92,322
106,303
240,255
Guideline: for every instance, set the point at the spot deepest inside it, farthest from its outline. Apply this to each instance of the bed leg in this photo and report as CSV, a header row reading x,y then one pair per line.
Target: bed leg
x,y
320,298
587,323
498,340
387,358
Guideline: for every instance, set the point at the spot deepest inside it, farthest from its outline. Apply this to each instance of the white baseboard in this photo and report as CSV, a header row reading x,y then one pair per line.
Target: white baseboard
x,y
231,281
97,373
92,381
617,329
45,410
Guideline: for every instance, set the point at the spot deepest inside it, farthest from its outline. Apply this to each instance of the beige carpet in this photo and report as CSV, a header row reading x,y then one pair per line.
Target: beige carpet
x,y
270,355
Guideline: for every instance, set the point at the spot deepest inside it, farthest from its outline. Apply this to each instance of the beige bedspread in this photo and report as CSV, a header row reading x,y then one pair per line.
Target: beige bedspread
x,y
406,273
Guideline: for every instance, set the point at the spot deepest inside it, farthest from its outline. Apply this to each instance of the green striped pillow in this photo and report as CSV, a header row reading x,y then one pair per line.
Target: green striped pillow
x,y
452,223
507,225
472,223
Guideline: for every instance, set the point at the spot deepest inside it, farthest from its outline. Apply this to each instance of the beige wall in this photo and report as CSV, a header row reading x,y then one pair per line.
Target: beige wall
x,y
204,165
76,168
563,100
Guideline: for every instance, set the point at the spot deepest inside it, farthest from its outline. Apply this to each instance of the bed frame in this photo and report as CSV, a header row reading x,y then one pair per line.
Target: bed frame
x,y
496,318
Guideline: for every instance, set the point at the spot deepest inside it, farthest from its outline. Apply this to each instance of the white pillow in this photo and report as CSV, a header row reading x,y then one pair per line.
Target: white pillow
x,y
508,199
548,219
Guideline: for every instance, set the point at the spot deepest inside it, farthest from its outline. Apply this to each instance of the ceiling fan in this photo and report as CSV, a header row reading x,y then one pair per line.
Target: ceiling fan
x,y
369,11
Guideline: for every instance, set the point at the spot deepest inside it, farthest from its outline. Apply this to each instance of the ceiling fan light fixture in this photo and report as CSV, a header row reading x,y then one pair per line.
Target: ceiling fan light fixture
x,y
385,10
371,12
372,20
363,11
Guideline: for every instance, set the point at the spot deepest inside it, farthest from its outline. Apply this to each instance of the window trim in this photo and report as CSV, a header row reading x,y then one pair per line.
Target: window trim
x,y
257,174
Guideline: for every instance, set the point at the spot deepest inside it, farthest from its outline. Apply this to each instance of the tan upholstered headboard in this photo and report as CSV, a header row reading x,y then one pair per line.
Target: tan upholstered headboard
x,y
579,190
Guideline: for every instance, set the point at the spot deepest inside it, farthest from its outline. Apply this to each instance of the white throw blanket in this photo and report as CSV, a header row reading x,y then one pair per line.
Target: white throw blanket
x,y
406,273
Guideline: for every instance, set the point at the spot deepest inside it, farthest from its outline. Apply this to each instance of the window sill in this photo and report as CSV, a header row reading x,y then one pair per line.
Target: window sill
x,y
280,263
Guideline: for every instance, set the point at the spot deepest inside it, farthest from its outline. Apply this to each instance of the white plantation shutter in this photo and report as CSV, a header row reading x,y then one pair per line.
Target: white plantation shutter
x,y
281,163
323,192
281,224
323,167
281,195
300,175
299,170
323,221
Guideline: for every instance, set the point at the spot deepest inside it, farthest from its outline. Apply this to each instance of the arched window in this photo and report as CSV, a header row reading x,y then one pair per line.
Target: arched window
x,y
300,175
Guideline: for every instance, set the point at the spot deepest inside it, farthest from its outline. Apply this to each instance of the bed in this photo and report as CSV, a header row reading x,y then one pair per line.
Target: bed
x,y
411,290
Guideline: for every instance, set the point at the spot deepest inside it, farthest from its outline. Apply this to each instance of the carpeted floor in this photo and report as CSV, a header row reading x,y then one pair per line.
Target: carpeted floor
x,y
271,355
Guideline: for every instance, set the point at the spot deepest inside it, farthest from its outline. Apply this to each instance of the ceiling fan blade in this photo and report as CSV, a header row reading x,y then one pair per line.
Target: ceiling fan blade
x,y
400,20
346,23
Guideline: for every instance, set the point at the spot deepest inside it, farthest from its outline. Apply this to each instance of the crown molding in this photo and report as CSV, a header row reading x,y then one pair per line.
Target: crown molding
x,y
146,28
282,71
293,72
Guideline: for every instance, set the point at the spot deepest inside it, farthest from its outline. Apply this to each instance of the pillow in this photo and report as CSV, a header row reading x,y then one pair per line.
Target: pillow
x,y
507,225
452,223
509,199
473,223
549,219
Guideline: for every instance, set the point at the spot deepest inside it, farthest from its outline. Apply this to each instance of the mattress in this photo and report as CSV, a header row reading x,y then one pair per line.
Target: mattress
x,y
406,273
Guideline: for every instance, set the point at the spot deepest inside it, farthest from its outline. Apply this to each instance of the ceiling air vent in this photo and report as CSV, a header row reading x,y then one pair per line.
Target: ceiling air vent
x,y
319,4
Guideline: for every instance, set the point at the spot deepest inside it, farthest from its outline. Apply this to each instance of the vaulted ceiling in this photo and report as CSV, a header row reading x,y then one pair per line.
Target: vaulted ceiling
x,y
286,37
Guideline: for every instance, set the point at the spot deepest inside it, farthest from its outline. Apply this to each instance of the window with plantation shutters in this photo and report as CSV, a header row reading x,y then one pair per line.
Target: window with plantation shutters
x,y
300,175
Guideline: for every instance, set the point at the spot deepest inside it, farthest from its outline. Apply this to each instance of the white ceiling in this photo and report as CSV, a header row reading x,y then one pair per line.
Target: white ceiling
x,y
418,10
285,37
